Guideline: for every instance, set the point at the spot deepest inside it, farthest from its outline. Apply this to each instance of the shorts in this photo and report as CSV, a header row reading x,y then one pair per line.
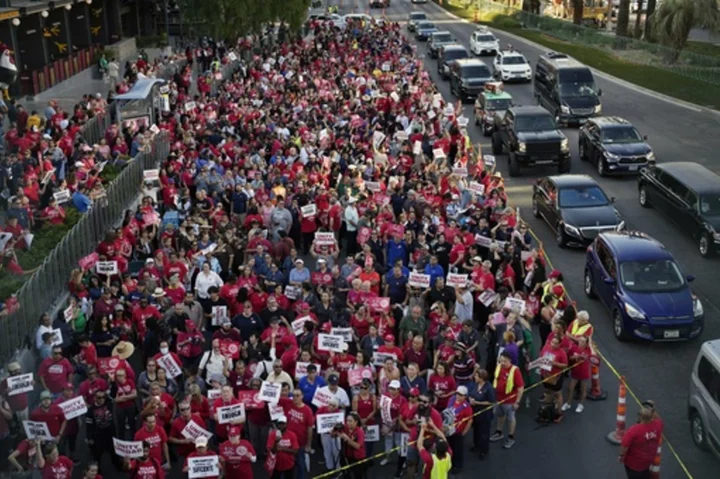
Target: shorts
x,y
557,387
506,410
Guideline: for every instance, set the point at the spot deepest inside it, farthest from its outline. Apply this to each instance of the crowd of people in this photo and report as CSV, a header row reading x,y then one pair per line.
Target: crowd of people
x,y
325,272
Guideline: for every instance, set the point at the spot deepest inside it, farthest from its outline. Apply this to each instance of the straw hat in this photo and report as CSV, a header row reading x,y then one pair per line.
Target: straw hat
x,y
123,349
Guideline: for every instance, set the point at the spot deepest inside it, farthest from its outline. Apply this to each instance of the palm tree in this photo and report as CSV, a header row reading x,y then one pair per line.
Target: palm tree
x,y
674,19
623,18
649,10
577,8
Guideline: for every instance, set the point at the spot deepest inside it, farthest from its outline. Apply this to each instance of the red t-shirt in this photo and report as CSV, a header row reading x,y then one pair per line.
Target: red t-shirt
x,y
221,429
156,438
55,373
501,383
556,355
60,469
285,461
54,417
176,429
299,419
358,435
200,454
237,459
580,372
428,460
441,385
148,469
642,443
125,390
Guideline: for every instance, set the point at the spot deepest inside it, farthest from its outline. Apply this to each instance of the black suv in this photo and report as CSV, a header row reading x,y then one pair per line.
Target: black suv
x,y
468,78
614,145
689,195
532,137
447,55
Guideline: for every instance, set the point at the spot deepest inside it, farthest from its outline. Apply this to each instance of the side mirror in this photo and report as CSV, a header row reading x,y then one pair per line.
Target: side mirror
x,y
612,199
645,138
600,92
609,281
690,278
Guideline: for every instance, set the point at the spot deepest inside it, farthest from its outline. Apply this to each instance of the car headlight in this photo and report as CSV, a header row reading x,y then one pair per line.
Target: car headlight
x,y
633,312
611,156
598,109
697,307
650,155
565,109
716,236
572,230
564,145
522,147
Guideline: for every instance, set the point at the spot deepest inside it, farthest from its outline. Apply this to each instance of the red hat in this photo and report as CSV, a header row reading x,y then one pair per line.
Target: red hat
x,y
189,323
233,431
327,327
554,274
69,386
414,392
558,290
389,338
449,335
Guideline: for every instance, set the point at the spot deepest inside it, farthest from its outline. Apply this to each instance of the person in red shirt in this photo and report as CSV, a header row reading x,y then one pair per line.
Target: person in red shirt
x,y
579,356
184,445
226,399
92,384
640,443
509,389
390,348
553,378
142,313
18,402
442,385
442,454
72,426
145,467
300,421
161,405
50,414
462,415
237,456
391,430
55,371
353,440
284,445
199,404
52,464
88,354
201,445
157,439
53,213
124,394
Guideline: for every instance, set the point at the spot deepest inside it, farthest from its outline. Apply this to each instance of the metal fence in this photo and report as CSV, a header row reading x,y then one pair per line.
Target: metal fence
x,y
633,51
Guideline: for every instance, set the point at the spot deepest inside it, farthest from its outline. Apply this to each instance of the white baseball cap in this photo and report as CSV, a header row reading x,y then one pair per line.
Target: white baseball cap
x,y
462,390
395,384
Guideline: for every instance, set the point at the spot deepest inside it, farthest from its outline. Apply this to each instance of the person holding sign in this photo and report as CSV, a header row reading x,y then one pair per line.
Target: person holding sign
x,y
178,435
151,434
237,456
226,399
201,450
52,464
284,444
71,425
50,414
144,467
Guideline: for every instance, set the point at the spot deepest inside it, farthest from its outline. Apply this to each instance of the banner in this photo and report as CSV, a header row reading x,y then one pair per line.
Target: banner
x,y
37,430
151,175
385,409
321,397
230,414
299,324
355,376
129,449
270,392
276,411
106,267
217,313
346,333
301,369
250,399
193,430
457,280
419,280
324,239
330,342
204,466
74,407
487,297
380,358
308,211
326,422
515,304
379,304
20,384
372,433
171,367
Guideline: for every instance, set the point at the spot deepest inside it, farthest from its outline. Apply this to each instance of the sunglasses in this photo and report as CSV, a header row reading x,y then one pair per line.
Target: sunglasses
x,y
424,402
184,409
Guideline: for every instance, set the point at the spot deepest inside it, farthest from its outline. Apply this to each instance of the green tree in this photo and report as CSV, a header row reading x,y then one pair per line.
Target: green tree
x,y
623,18
651,5
674,19
578,7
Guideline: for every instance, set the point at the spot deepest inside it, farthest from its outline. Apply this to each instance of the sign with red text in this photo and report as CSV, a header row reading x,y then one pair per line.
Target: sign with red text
x,y
356,376
250,399
193,430
379,304
230,348
129,449
457,280
419,280
324,238
74,407
171,367
322,397
301,369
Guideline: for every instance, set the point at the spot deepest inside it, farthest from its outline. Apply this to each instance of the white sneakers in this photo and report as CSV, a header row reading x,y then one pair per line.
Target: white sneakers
x,y
384,462
578,409
566,407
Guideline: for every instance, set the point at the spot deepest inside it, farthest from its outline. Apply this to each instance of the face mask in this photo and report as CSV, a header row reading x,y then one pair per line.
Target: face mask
x,y
164,350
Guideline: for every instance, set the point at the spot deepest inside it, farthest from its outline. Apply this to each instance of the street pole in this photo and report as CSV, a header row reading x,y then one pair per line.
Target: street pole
x,y
167,22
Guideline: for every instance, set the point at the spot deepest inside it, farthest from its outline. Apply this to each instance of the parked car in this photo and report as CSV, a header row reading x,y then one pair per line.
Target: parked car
x,y
704,398
575,207
414,18
643,288
689,196
614,145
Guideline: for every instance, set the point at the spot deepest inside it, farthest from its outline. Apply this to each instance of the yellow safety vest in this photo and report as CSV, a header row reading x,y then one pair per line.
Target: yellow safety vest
x,y
578,330
547,290
441,467
510,384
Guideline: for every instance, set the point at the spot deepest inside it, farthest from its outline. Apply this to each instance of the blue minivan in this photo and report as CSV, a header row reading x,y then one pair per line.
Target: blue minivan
x,y
643,287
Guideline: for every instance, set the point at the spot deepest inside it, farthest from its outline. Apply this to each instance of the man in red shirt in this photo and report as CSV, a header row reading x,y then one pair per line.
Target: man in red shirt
x,y
226,399
441,456
639,444
237,456
92,384
124,394
18,402
201,444
156,438
300,421
50,414
284,444
52,464
160,404
184,445
509,388
142,313
88,353
145,467
55,372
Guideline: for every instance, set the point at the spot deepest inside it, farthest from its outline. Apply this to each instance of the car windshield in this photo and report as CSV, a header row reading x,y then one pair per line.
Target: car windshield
x,y
442,38
455,54
498,104
426,25
485,38
710,205
621,134
418,16
582,197
479,71
577,89
651,276
514,60
535,123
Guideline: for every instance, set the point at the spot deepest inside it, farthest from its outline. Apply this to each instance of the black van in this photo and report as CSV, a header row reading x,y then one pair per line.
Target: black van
x,y
566,88
689,195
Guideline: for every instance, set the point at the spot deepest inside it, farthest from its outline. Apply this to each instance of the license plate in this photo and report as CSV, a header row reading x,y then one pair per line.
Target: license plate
x,y
544,162
633,167
671,334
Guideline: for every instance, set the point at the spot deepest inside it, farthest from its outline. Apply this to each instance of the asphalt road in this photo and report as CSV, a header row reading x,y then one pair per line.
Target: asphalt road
x,y
657,371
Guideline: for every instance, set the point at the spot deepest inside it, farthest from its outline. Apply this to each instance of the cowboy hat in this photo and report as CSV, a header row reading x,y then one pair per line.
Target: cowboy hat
x,y
123,349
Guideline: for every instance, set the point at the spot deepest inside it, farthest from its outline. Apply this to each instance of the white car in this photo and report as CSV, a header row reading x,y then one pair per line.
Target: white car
x,y
357,17
482,42
510,65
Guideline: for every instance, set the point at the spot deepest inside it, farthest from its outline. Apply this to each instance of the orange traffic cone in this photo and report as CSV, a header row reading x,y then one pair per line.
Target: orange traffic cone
x,y
476,16
596,393
655,467
616,436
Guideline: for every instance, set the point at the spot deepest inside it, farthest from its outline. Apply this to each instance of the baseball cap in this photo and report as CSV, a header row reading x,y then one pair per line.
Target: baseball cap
x,y
201,441
554,274
45,395
557,290
69,385
233,431
462,390
281,419
394,384
414,392
389,338
334,379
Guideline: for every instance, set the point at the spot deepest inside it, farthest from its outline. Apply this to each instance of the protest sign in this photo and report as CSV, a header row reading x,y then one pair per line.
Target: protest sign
x,y
378,138
299,324
62,196
74,407
320,278
331,342
395,97
87,262
37,430
171,367
515,304
106,267
301,369
363,235
372,186
346,333
68,313
544,363
57,337
489,161
463,121
250,399
355,376
321,397
380,358
462,172
404,442
385,409
386,66
203,466
190,106
417,148
308,211
431,114
379,304
276,411
151,175
402,135
476,188
438,153
193,430
457,280
292,292
326,422
20,384
270,392
324,239
129,449
487,297
217,313
230,348
419,280
231,414
213,394
449,110
372,433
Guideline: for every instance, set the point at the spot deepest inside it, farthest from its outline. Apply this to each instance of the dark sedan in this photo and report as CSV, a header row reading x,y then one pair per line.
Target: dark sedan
x,y
614,145
575,207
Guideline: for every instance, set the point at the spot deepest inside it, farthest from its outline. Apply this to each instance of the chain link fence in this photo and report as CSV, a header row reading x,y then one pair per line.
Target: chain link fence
x,y
631,50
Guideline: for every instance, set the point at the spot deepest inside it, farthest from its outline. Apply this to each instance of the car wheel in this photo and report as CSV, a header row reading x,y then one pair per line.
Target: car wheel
x,y
535,207
588,285
643,197
583,152
514,165
601,169
704,245
697,430
560,237
497,147
619,327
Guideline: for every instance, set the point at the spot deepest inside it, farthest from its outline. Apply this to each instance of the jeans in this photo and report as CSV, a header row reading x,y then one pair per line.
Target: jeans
x,y
300,463
331,451
391,439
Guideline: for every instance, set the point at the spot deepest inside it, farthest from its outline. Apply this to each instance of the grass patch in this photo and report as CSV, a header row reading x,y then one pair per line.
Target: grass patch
x,y
703,48
652,78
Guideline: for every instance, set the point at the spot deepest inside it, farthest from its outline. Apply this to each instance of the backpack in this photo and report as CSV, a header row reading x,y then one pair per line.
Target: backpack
x,y
547,413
